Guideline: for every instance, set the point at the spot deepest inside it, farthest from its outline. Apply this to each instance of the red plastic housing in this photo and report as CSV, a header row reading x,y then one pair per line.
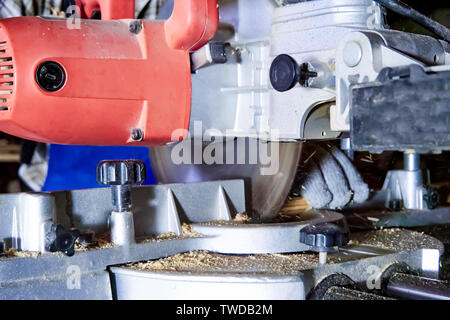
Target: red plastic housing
x,y
116,80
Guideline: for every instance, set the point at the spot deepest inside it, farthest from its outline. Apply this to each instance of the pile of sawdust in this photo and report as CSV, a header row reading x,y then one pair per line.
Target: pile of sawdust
x,y
187,231
282,264
14,253
394,239
242,218
208,262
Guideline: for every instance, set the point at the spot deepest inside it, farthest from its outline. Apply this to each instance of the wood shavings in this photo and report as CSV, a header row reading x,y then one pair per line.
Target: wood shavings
x,y
207,262
394,239
166,236
202,262
242,217
11,253
103,242
188,231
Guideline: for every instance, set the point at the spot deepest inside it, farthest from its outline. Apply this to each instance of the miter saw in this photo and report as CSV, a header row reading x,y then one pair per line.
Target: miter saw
x,y
273,76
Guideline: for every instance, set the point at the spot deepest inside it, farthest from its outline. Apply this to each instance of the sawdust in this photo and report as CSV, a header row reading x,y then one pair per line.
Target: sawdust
x,y
239,219
283,264
394,239
187,231
102,242
208,262
242,218
14,253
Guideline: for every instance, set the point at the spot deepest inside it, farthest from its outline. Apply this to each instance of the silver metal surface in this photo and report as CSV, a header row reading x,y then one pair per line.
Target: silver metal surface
x,y
56,271
358,264
235,238
238,100
135,285
31,218
157,210
84,276
411,161
122,228
406,186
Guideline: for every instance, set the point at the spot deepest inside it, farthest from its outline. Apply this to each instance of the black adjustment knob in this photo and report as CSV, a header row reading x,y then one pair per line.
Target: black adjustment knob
x,y
50,76
120,172
324,236
62,240
121,175
284,73
431,198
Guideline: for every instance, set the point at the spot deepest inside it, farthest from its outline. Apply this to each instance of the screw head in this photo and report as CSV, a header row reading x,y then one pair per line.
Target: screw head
x,y
50,76
136,26
137,134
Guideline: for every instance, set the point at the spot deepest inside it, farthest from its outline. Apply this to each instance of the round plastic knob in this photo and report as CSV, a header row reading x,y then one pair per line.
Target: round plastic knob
x,y
324,236
284,73
120,172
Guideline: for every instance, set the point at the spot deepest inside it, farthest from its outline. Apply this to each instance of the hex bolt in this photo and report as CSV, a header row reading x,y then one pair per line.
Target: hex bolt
x,y
121,175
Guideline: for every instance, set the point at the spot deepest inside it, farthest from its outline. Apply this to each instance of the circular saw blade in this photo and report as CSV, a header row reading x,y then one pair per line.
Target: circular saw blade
x,y
265,193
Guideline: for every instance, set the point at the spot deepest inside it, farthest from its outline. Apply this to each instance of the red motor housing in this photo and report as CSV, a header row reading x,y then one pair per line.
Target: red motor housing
x,y
123,82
